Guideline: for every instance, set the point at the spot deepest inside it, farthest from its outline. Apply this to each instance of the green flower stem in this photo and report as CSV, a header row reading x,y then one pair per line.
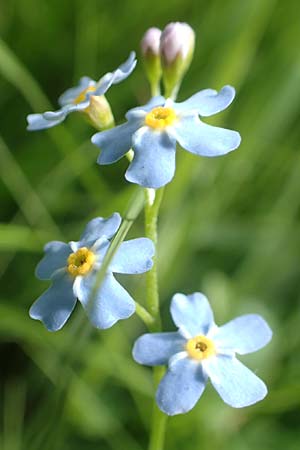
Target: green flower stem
x,y
134,209
155,88
153,201
159,419
129,155
130,216
143,314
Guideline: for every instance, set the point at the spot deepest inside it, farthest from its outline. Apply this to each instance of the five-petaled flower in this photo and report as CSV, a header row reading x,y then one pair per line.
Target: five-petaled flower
x,y
73,267
200,350
80,98
153,129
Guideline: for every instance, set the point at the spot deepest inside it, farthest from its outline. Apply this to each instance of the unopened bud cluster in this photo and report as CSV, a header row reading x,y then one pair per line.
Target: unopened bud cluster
x,y
168,54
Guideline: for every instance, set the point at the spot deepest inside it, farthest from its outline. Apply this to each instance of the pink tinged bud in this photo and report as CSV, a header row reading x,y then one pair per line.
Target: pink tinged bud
x,y
150,46
151,41
177,40
177,44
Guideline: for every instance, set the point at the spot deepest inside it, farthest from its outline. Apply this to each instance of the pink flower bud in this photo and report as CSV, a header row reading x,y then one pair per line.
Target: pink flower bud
x,y
151,41
177,40
177,44
150,46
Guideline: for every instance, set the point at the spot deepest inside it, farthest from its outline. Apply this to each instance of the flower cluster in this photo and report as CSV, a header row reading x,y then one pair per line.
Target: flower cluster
x,y
199,350
168,54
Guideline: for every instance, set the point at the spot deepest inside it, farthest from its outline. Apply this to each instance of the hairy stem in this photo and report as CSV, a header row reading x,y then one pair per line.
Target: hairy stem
x,y
159,419
153,201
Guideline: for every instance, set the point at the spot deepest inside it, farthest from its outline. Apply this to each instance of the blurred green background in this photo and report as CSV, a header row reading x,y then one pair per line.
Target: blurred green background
x,y
229,226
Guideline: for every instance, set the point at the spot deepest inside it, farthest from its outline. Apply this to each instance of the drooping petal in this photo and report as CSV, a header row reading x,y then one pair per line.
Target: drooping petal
x,y
235,383
122,72
155,349
153,164
55,306
98,228
181,387
49,119
207,102
55,258
39,122
116,142
192,314
202,139
71,94
134,256
140,111
111,304
243,335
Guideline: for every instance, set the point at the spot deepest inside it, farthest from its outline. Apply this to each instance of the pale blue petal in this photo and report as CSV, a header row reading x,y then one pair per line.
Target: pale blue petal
x,y
140,111
122,72
155,349
153,164
55,258
243,335
111,304
39,122
100,248
235,383
71,94
52,118
125,69
207,102
181,387
134,256
116,142
55,306
65,110
202,139
98,228
192,314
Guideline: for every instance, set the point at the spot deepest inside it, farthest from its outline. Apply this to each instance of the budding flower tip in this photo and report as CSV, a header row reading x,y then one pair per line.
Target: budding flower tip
x,y
150,42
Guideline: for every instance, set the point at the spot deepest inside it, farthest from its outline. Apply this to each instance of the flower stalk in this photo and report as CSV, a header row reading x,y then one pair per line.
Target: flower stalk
x,y
152,205
130,216
159,419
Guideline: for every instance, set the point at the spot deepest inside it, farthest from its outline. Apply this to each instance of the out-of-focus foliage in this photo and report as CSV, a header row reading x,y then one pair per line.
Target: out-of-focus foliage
x,y
229,226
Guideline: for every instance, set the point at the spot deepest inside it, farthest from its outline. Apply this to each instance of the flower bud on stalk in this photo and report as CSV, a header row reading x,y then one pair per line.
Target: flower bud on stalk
x,y
176,49
150,44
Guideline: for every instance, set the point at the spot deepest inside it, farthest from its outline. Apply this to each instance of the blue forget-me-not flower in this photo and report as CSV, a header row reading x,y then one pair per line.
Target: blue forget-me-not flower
x,y
80,98
200,350
73,267
153,129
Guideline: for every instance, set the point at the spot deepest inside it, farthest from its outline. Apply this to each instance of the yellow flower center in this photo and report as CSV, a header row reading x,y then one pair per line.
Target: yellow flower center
x,y
81,96
160,117
200,347
80,262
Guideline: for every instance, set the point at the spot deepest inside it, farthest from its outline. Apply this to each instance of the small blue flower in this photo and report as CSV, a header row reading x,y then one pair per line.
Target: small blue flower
x,y
73,267
200,350
153,129
79,97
